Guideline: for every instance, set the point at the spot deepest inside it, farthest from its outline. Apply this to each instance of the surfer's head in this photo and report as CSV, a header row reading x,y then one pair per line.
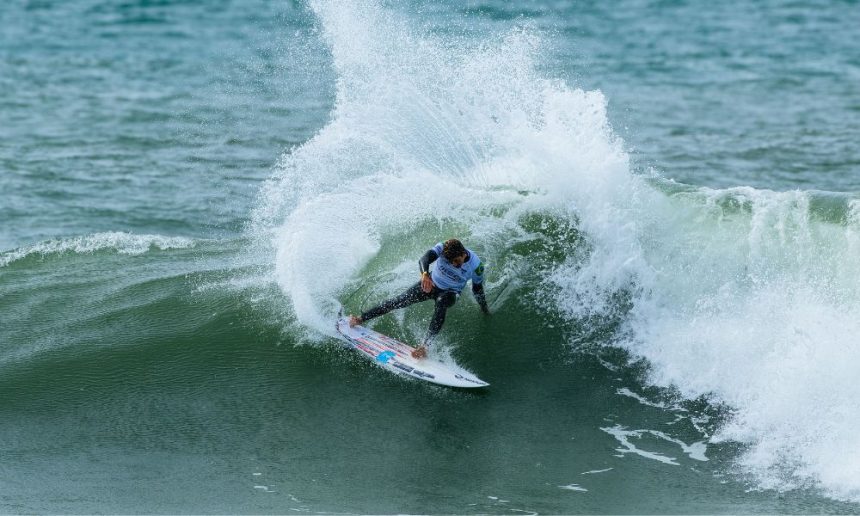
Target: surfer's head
x,y
454,251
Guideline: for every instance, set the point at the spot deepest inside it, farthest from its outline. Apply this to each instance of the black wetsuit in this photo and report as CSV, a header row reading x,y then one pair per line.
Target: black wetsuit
x,y
444,299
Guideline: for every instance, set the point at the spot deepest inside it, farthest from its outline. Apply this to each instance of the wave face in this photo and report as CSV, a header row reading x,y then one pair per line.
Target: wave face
x,y
747,297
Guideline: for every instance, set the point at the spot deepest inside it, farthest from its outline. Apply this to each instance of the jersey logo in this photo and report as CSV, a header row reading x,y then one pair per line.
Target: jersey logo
x,y
480,269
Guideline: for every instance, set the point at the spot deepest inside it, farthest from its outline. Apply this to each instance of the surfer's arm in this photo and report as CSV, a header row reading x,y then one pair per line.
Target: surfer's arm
x,y
424,263
424,266
478,292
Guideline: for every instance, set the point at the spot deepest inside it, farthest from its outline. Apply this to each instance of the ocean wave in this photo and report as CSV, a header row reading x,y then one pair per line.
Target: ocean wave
x,y
120,242
748,296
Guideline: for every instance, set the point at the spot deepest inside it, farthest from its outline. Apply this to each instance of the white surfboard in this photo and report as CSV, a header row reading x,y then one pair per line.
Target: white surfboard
x,y
395,356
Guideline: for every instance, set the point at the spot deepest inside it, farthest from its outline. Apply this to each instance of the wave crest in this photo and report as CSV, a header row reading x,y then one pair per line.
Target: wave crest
x,y
121,242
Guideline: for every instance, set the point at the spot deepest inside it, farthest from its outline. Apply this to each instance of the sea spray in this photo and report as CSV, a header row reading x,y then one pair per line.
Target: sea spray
x,y
423,130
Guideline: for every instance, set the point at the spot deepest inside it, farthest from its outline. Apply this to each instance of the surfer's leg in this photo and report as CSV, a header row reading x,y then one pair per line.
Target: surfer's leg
x,y
444,301
413,295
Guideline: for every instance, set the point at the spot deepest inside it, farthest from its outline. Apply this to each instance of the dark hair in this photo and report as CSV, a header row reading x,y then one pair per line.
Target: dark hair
x,y
452,248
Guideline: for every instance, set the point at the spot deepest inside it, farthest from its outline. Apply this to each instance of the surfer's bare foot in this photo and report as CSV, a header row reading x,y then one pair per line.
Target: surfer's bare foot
x,y
354,321
419,352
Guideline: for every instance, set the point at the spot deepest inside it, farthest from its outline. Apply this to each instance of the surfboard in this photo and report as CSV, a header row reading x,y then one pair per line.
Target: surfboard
x,y
396,357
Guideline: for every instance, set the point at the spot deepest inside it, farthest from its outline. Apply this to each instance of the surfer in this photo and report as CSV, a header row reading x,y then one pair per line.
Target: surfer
x,y
454,266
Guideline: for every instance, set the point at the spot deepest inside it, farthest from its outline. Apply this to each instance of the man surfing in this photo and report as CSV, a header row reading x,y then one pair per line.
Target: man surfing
x,y
453,266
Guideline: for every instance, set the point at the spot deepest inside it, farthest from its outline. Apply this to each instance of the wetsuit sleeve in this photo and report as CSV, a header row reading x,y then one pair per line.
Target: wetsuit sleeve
x,y
478,288
429,257
478,292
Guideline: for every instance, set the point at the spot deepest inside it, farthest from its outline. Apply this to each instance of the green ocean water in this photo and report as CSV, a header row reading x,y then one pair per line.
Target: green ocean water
x,y
665,194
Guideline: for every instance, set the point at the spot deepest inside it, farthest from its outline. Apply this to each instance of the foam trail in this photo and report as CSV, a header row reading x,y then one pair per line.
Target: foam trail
x,y
695,451
574,487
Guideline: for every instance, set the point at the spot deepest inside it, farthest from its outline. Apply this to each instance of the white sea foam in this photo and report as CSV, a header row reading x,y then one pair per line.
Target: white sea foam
x,y
121,242
756,303
695,450
624,391
740,294
596,471
574,487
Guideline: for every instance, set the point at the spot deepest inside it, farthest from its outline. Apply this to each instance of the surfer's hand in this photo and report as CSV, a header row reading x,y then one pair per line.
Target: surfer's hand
x,y
354,321
426,283
419,352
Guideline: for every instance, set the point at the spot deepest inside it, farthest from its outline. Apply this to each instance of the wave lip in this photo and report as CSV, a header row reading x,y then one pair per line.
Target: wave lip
x,y
119,241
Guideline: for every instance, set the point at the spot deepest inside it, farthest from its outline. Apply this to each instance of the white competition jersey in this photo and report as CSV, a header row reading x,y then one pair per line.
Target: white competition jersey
x,y
447,277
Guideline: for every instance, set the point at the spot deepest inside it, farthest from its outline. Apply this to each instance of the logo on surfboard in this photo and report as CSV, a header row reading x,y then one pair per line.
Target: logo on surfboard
x,y
385,356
